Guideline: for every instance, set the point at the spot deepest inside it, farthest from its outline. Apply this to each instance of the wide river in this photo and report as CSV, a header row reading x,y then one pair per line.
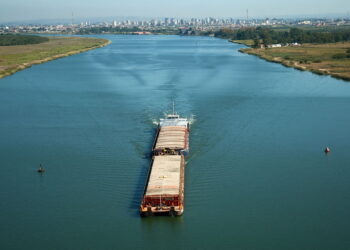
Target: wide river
x,y
256,176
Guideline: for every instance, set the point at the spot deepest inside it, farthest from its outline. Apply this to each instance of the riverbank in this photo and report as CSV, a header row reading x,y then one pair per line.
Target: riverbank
x,y
16,58
323,59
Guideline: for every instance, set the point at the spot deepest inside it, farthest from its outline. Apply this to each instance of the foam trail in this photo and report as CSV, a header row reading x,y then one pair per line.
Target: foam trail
x,y
192,119
155,122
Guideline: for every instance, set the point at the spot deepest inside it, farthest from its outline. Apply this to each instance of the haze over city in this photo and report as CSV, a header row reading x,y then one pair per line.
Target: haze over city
x,y
19,10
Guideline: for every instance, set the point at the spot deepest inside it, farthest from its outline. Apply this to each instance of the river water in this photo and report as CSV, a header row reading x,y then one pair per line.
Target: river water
x,y
256,176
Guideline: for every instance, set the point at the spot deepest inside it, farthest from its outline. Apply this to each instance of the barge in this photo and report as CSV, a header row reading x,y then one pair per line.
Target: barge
x,y
164,190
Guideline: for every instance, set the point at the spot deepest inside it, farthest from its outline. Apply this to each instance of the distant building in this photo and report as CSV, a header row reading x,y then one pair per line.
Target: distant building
x,y
142,33
306,22
278,45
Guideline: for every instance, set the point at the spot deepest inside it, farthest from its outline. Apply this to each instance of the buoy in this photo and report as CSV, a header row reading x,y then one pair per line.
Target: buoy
x,y
327,150
41,169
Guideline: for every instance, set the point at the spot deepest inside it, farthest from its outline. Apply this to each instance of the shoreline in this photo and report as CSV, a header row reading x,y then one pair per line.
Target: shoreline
x,y
23,66
289,63
261,53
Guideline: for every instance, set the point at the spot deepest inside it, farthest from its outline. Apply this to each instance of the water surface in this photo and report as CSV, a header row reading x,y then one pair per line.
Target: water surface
x,y
256,177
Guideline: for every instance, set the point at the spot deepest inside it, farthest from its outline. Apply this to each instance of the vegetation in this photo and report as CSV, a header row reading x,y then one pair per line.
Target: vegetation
x,y
124,30
249,43
15,58
325,59
100,30
270,36
15,39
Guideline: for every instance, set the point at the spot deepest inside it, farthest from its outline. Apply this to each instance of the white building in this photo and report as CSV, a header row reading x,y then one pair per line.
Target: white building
x,y
278,45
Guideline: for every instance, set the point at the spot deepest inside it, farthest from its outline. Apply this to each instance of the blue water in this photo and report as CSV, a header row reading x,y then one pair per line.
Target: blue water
x,y
256,177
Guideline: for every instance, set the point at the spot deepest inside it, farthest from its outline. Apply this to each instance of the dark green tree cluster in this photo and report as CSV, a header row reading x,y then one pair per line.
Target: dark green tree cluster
x,y
123,30
100,30
269,36
15,39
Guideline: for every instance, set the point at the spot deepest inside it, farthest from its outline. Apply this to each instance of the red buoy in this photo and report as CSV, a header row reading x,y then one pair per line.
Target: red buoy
x,y
327,150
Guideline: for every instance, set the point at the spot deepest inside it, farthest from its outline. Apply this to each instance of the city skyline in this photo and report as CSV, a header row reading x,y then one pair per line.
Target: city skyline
x,y
20,10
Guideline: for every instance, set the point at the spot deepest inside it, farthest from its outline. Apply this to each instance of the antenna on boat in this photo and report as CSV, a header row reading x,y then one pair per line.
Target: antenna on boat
x,y
173,107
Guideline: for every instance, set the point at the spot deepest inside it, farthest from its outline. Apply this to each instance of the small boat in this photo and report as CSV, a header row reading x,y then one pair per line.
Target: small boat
x,y
41,169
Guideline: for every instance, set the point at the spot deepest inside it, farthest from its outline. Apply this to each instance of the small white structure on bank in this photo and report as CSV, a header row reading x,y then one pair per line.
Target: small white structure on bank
x,y
278,45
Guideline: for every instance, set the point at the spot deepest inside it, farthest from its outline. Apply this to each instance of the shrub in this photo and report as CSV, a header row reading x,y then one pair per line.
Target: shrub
x,y
14,39
339,56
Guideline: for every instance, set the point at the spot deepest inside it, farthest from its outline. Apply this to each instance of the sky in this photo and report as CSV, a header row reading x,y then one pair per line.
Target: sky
x,y
19,10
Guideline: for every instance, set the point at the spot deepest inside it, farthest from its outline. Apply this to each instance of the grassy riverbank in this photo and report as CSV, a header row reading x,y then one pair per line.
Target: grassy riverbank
x,y
244,42
324,59
15,58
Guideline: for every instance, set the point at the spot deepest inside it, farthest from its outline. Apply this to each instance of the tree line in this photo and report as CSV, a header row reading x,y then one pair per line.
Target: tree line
x,y
122,30
16,39
294,35
100,30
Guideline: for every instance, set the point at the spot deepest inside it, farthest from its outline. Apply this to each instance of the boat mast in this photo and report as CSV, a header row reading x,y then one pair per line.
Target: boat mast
x,y
173,107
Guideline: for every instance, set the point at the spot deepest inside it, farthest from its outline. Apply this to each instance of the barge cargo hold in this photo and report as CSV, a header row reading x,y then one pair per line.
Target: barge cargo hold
x,y
164,191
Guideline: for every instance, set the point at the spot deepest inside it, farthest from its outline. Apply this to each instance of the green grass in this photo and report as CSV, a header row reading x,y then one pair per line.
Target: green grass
x,y
332,59
17,39
245,42
14,58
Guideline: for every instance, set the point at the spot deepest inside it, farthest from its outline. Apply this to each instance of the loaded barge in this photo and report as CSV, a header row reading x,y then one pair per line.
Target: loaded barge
x,y
164,190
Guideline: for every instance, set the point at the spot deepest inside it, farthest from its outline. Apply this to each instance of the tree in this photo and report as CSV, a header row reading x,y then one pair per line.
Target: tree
x,y
256,43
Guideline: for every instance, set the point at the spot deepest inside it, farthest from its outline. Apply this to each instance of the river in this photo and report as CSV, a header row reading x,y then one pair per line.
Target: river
x,y
256,176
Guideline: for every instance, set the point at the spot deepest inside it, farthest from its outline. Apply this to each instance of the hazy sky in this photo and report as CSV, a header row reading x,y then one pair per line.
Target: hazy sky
x,y
16,10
